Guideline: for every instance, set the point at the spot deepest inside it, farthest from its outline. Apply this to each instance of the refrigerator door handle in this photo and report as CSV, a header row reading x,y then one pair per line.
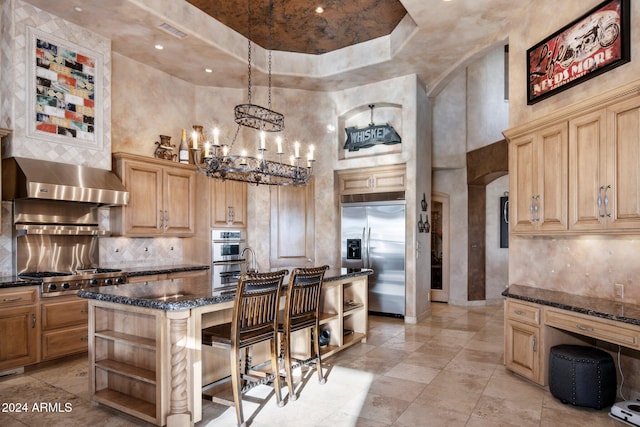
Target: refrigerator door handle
x,y
369,249
364,247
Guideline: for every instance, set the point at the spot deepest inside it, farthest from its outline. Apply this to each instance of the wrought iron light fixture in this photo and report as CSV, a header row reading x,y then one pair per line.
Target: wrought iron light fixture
x,y
219,163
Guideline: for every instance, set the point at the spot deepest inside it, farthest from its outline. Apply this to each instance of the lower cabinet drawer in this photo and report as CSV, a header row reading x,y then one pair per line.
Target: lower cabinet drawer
x,y
64,341
613,332
523,312
64,313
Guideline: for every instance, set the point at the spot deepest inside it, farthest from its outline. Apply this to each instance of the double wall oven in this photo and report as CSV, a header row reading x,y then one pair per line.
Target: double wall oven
x,y
228,261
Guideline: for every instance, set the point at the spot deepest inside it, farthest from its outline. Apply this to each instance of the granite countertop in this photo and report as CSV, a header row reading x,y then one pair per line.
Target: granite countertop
x,y
598,307
169,295
13,281
148,271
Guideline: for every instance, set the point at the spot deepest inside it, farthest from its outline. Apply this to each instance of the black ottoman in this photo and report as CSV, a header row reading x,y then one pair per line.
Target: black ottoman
x,y
582,376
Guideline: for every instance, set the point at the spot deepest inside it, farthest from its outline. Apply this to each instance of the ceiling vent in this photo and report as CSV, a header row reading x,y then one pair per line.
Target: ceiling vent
x,y
172,30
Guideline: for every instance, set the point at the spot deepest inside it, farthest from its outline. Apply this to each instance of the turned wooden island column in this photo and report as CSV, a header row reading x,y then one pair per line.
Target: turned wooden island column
x,y
179,414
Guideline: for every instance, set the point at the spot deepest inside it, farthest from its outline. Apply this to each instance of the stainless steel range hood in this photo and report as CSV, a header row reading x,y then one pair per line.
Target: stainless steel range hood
x,y
24,178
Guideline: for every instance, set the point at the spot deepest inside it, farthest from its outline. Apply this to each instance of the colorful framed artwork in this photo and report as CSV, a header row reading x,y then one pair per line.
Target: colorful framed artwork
x,y
64,91
593,44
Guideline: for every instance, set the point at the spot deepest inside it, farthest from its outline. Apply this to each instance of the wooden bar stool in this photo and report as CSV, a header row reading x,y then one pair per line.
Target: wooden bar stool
x,y
254,320
301,311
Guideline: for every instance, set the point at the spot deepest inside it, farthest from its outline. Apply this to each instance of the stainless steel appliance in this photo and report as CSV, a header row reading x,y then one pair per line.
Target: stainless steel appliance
x,y
227,252
55,222
56,283
373,236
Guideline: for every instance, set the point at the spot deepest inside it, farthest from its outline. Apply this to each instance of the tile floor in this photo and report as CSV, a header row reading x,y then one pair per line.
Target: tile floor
x,y
445,371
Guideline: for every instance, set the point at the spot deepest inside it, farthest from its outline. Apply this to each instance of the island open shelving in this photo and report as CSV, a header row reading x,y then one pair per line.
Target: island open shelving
x,y
125,353
344,309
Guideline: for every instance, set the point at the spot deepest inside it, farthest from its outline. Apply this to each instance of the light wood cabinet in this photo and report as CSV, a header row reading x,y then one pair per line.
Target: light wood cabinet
x,y
228,203
292,226
64,327
538,180
372,180
19,327
522,340
161,198
604,158
578,174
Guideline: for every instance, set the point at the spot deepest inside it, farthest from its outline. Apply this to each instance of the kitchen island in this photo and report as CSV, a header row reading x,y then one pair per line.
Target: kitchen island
x,y
145,351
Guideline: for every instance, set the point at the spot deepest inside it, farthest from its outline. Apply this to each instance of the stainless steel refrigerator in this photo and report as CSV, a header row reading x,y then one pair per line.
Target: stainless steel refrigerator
x,y
373,236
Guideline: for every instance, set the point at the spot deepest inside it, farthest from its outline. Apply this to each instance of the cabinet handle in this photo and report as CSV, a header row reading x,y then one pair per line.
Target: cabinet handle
x,y
230,215
85,338
584,328
531,209
84,311
606,201
534,344
14,299
519,312
166,219
33,321
534,208
161,219
600,214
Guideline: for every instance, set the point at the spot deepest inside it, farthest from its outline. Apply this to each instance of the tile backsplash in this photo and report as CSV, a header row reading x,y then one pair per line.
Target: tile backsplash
x,y
123,252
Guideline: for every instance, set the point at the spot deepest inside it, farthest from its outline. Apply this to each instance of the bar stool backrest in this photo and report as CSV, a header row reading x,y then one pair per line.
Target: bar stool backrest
x,y
303,298
256,308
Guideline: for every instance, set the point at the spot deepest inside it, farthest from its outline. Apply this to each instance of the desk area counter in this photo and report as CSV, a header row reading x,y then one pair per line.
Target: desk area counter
x,y
537,319
598,307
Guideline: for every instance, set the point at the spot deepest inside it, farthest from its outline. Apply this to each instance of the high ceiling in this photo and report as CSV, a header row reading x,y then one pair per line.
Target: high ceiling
x,y
299,26
366,41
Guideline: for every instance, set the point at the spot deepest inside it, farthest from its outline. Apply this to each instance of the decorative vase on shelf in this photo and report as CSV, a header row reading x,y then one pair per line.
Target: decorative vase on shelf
x,y
164,149
197,141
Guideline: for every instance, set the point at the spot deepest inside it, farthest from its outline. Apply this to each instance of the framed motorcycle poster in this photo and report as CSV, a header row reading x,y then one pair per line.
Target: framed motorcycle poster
x,y
595,43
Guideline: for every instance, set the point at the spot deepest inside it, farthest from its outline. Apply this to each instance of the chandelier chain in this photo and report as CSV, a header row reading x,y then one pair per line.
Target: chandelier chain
x,y
249,49
270,46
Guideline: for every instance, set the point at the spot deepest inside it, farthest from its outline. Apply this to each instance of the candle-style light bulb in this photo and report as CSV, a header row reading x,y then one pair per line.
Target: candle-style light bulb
x,y
279,143
216,137
293,160
194,137
296,148
225,150
207,147
310,156
263,139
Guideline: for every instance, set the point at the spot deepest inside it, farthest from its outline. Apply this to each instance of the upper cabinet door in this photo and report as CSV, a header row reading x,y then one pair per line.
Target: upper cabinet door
x,y
622,198
587,165
538,180
228,203
180,191
161,198
145,212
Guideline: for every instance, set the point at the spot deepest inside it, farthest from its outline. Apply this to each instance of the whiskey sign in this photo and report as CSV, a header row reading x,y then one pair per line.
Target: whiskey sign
x,y
371,135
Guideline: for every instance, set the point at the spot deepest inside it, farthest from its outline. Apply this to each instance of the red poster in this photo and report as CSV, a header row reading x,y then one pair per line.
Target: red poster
x,y
591,45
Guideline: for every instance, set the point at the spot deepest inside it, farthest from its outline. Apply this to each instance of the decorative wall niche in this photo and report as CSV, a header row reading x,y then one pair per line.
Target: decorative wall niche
x,y
361,117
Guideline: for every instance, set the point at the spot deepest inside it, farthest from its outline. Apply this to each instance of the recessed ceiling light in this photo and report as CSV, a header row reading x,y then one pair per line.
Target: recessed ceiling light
x,y
208,70
77,9
159,46
319,9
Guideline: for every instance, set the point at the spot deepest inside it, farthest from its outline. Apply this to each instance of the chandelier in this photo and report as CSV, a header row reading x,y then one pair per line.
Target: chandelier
x,y
218,162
